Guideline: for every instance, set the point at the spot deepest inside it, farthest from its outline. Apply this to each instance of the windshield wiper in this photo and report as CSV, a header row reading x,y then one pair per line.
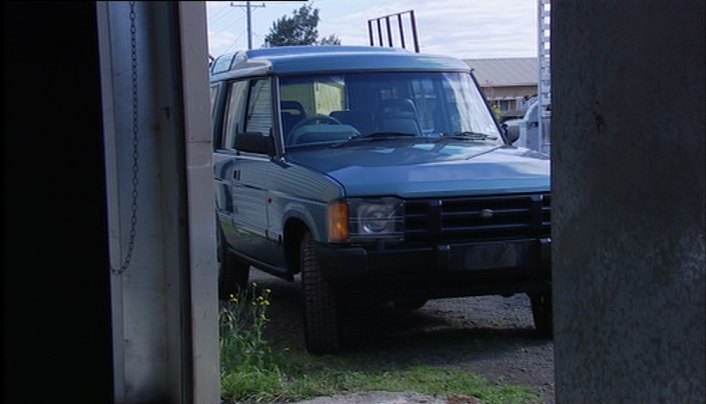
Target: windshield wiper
x,y
467,136
376,136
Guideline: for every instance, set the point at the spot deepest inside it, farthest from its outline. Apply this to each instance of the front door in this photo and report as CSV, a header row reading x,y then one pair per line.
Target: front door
x,y
241,187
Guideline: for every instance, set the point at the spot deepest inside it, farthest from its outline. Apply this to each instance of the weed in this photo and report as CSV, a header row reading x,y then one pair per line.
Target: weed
x,y
247,368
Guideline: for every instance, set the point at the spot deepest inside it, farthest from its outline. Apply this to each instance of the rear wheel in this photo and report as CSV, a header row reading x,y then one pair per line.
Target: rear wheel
x,y
321,317
233,273
542,313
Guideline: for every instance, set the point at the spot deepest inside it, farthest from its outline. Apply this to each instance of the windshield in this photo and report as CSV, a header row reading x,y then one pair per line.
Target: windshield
x,y
410,106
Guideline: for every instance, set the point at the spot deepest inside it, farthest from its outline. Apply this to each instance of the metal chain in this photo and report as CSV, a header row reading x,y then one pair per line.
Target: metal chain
x,y
135,150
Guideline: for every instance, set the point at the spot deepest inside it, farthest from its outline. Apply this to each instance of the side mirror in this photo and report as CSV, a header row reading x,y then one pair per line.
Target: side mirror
x,y
254,142
512,132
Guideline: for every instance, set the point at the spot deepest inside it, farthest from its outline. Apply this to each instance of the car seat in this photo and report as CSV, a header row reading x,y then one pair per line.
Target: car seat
x,y
292,114
398,115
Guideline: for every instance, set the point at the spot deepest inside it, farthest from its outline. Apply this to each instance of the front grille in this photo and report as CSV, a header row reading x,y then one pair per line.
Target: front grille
x,y
478,218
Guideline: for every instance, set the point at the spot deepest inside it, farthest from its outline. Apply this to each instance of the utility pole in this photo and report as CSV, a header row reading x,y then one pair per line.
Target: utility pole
x,y
544,83
248,13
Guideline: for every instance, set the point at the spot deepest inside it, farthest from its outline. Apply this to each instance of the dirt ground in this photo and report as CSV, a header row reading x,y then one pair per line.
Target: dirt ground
x,y
492,337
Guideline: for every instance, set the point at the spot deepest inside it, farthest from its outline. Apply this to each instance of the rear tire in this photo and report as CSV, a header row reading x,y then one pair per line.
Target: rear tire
x,y
233,273
542,313
321,322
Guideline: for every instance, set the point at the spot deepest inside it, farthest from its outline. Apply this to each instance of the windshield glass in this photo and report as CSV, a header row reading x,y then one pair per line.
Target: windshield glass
x,y
416,106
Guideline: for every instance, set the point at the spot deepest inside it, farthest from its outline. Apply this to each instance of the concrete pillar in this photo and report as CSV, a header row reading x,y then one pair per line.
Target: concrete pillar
x,y
164,303
628,163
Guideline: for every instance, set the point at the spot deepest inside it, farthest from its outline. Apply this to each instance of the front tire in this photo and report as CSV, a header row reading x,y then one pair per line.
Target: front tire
x,y
542,313
233,273
321,322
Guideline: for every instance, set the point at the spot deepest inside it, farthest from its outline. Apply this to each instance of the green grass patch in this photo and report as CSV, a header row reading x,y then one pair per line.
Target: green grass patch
x,y
254,371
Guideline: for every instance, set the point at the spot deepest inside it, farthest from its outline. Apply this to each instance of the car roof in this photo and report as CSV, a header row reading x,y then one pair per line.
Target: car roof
x,y
286,60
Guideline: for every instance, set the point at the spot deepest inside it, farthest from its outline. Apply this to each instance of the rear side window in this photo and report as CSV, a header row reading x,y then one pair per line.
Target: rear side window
x,y
259,118
235,112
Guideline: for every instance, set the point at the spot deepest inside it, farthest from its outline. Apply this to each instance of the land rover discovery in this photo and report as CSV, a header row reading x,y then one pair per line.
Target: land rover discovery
x,y
373,173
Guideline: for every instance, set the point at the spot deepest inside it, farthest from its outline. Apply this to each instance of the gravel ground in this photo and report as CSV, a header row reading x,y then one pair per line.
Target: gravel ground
x,y
492,337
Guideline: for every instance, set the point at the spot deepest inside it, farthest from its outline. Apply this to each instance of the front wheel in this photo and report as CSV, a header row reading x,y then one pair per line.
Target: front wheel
x,y
321,322
233,273
542,313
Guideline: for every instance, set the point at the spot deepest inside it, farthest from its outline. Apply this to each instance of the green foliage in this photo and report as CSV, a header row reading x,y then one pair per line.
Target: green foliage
x,y
307,376
249,370
299,29
300,376
253,372
242,322
497,111
330,40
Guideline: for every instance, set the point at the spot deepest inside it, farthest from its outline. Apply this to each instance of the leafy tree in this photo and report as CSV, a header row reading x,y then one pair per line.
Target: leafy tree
x,y
330,40
299,29
498,112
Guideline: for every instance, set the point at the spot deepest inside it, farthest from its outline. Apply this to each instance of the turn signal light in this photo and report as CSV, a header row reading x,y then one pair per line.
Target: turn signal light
x,y
338,221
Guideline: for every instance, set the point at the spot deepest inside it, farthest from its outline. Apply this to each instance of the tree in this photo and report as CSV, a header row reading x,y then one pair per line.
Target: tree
x,y
330,40
299,29
497,111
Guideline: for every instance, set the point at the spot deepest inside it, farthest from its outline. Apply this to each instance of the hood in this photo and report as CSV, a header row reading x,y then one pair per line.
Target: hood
x,y
417,170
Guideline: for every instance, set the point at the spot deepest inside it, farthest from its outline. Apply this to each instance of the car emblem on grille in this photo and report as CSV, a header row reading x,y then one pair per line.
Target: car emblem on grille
x,y
486,213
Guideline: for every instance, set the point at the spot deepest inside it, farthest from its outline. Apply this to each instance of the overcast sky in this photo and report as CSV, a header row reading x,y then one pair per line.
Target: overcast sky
x,y
467,29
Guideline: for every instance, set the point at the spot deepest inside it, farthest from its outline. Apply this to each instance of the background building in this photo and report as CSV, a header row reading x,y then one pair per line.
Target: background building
x,y
510,84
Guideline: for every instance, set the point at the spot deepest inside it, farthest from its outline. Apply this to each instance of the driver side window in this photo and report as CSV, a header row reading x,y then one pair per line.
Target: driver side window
x,y
249,109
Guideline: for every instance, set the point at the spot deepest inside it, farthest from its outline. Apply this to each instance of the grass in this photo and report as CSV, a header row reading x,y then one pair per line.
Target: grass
x,y
253,370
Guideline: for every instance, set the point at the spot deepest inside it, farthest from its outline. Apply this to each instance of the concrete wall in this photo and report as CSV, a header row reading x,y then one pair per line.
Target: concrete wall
x,y
629,201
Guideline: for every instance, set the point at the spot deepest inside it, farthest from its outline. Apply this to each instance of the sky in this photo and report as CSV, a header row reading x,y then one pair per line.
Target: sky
x,y
466,29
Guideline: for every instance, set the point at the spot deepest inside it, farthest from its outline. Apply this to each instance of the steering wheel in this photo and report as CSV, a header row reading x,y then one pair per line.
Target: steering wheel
x,y
321,119
318,118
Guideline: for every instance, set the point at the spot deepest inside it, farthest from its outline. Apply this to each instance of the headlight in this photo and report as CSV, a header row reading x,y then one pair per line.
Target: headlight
x,y
366,219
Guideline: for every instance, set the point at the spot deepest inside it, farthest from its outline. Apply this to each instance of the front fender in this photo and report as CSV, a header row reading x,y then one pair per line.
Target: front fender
x,y
299,211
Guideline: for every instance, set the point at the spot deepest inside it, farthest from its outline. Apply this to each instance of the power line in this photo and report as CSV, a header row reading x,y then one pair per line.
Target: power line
x,y
232,23
217,13
234,44
216,18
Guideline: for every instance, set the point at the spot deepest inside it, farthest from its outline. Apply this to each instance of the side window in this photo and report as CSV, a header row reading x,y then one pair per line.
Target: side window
x,y
235,112
259,116
214,90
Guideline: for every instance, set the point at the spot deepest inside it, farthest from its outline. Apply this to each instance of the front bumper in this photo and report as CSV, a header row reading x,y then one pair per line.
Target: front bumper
x,y
441,270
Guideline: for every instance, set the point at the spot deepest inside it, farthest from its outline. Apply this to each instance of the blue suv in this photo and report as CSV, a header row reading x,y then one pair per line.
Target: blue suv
x,y
373,173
